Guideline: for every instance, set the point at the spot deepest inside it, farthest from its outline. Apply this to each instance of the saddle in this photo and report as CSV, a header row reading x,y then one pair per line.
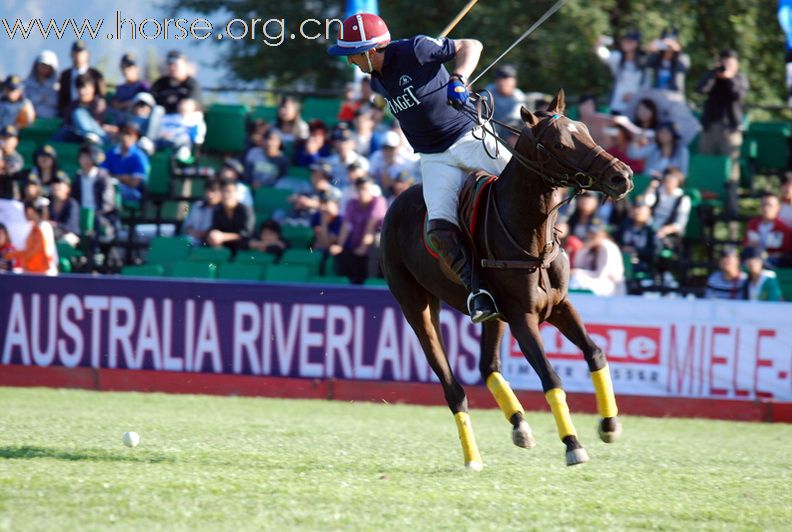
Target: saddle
x,y
477,205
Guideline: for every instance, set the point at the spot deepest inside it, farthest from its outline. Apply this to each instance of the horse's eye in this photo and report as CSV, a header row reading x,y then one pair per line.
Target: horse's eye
x,y
559,146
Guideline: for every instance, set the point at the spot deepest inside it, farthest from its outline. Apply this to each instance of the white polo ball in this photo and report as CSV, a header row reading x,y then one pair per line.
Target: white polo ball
x,y
131,439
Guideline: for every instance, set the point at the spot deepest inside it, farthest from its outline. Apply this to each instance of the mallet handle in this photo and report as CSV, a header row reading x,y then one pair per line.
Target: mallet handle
x,y
459,17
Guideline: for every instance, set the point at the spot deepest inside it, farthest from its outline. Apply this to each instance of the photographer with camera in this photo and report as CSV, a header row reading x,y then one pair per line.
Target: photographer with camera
x,y
726,89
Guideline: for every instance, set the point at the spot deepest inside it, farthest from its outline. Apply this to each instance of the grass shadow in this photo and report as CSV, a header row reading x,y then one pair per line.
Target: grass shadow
x,y
27,452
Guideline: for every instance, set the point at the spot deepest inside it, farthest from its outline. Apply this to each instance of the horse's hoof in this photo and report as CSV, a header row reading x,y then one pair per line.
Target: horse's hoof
x,y
474,466
522,435
609,430
577,456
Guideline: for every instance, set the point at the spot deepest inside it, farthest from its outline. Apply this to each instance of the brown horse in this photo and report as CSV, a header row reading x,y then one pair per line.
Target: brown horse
x,y
523,268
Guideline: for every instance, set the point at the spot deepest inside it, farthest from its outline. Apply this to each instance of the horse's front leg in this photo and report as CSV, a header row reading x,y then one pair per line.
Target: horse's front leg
x,y
567,320
490,368
525,329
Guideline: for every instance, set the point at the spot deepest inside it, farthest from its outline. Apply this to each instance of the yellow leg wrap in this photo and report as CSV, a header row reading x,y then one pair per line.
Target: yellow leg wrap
x,y
504,395
466,438
603,387
556,398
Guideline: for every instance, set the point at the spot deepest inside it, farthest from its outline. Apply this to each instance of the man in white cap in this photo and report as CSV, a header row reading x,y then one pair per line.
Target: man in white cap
x,y
41,85
426,100
389,162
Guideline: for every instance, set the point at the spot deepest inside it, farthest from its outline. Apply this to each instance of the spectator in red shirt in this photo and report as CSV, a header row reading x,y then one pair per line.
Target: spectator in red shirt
x,y
359,232
621,138
767,233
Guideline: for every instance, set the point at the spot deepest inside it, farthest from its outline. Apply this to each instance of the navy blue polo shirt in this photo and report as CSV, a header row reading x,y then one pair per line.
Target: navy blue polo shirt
x,y
414,83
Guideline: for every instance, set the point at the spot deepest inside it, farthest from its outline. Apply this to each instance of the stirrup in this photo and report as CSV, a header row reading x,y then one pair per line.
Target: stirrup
x,y
480,317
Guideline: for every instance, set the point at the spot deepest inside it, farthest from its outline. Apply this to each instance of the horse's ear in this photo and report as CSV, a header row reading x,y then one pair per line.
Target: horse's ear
x,y
558,105
528,117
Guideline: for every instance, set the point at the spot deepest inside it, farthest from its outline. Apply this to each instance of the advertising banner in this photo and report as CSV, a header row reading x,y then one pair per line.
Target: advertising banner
x,y
668,347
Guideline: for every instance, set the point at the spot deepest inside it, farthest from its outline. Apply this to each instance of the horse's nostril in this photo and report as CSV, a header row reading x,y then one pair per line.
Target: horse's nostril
x,y
618,180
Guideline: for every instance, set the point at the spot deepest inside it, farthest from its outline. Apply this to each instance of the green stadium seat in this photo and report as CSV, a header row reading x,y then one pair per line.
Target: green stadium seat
x,y
640,184
66,250
300,172
694,228
194,270
330,279
784,276
259,258
41,131
325,109
303,257
298,236
376,281
772,144
144,270
226,128
709,174
210,254
629,271
241,272
286,274
26,148
264,112
269,200
159,181
168,250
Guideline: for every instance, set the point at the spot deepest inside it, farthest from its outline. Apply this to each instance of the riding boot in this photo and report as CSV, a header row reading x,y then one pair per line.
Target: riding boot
x,y
445,237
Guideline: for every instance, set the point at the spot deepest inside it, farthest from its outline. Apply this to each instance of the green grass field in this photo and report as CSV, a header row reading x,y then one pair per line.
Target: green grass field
x,y
210,463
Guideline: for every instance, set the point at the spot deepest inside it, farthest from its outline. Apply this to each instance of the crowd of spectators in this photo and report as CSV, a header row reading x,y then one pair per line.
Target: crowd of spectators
x,y
361,161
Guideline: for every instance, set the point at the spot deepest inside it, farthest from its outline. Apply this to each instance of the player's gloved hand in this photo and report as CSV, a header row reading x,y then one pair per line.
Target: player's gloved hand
x,y
458,93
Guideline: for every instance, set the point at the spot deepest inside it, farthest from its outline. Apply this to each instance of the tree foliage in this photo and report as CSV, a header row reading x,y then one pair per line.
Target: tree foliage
x,y
559,54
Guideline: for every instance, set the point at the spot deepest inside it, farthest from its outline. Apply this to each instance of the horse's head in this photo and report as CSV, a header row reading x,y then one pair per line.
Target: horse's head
x,y
563,152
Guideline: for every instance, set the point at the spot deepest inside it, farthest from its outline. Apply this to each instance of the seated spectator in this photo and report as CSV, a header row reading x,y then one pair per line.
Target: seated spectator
x,y
351,104
785,212
15,109
266,164
343,156
199,221
726,88
9,186
9,141
289,123
626,66
667,64
637,238
68,93
366,141
315,147
64,211
326,223
359,233
761,285
729,281
182,131
132,86
598,266
176,85
257,128
41,85
93,188
596,122
148,116
270,240
233,170
664,152
507,98
399,184
670,207
769,235
232,222
33,193
84,118
576,228
388,162
647,117
6,247
39,254
304,206
620,140
46,167
128,164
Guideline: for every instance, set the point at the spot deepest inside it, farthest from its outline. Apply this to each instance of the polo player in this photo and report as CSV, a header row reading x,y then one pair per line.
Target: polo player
x,y
426,99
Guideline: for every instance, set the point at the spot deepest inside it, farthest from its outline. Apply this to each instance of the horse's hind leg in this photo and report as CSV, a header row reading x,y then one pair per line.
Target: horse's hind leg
x,y
526,331
489,365
568,321
422,311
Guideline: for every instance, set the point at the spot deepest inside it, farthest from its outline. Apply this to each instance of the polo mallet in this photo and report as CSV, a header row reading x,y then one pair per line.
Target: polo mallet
x,y
451,25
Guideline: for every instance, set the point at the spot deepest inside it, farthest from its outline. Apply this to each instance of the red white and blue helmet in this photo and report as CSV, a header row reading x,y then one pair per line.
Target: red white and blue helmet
x,y
360,33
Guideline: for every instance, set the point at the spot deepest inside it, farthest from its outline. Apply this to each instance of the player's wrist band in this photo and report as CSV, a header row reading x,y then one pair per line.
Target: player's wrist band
x,y
460,77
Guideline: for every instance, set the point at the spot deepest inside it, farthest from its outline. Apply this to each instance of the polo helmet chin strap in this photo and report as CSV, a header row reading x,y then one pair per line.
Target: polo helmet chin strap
x,y
368,59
